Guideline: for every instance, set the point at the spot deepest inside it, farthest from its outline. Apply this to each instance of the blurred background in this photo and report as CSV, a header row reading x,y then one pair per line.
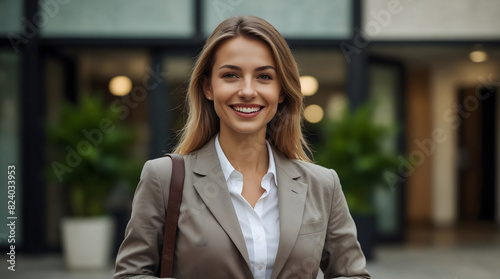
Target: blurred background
x,y
90,90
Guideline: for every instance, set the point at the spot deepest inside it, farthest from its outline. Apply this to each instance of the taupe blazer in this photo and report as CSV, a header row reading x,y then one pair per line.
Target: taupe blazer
x,y
316,229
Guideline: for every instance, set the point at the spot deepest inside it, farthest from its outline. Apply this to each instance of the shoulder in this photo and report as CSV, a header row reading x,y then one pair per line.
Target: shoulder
x,y
314,168
159,168
166,161
162,167
312,171
158,164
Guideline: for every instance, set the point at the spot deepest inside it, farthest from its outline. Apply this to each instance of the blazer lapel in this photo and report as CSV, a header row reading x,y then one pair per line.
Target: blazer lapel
x,y
213,190
291,202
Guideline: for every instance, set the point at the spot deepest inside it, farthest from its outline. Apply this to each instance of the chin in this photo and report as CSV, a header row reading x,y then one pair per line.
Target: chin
x,y
248,131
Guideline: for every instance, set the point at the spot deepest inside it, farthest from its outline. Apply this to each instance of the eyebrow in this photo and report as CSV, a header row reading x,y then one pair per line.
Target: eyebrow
x,y
261,68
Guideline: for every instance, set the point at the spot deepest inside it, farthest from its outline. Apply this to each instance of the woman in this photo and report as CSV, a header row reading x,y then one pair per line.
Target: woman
x,y
253,205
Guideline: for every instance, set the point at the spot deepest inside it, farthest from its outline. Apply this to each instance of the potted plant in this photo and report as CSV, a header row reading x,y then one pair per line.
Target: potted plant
x,y
355,147
91,154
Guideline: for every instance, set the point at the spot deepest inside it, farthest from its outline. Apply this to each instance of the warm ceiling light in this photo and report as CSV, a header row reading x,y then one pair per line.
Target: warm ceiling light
x,y
478,56
120,85
335,106
308,85
313,113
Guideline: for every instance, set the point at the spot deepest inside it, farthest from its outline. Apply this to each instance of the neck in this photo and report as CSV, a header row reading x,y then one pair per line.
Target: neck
x,y
246,153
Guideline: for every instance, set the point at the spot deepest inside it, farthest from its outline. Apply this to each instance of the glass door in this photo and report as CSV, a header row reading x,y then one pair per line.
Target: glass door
x,y
386,89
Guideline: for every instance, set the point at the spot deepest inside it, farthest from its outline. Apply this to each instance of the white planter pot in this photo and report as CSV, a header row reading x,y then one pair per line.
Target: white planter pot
x,y
87,242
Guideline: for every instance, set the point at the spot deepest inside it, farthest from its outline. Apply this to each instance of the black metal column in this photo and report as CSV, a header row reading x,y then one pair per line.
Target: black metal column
x,y
198,19
32,136
160,111
357,59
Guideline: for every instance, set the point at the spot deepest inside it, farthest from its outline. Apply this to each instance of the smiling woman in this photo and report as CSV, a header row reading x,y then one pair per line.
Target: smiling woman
x,y
250,191
284,130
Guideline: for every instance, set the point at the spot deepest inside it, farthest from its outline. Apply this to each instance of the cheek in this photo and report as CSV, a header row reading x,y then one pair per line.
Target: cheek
x,y
224,90
274,95
218,107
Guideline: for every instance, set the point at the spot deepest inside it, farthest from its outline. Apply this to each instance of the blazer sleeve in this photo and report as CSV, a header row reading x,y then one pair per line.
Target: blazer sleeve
x,y
342,256
139,253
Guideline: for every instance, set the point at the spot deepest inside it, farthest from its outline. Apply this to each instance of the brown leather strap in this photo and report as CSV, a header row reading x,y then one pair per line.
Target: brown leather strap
x,y
172,215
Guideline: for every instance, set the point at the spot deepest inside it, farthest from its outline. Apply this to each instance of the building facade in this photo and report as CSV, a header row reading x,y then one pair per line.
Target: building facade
x,y
414,57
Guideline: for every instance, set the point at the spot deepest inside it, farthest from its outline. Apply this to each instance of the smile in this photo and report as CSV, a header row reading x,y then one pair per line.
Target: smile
x,y
247,109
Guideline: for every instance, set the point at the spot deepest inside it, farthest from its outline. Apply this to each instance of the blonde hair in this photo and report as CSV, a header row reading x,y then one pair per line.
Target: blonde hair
x,y
284,131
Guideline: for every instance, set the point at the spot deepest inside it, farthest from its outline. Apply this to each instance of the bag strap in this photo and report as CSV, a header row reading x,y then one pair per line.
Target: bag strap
x,y
172,215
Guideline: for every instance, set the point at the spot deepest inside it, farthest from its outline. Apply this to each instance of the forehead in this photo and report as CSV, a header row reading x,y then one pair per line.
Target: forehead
x,y
244,51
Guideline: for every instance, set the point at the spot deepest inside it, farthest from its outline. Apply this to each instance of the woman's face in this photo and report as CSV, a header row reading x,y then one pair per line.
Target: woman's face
x,y
244,86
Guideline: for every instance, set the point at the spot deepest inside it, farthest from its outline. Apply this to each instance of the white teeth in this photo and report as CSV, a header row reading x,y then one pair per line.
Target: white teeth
x,y
247,109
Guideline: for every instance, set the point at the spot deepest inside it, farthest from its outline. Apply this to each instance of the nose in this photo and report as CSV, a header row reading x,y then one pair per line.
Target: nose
x,y
247,91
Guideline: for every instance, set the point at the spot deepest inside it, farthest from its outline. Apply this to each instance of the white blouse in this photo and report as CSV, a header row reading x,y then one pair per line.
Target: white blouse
x,y
260,225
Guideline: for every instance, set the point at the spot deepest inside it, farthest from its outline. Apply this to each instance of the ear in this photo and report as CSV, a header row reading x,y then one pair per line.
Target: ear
x,y
281,99
207,89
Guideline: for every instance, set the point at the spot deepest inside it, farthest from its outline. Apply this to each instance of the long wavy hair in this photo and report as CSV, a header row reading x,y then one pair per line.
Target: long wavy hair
x,y
284,131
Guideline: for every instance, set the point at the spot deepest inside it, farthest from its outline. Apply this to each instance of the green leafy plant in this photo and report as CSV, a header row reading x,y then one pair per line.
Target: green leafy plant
x,y
91,153
355,147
